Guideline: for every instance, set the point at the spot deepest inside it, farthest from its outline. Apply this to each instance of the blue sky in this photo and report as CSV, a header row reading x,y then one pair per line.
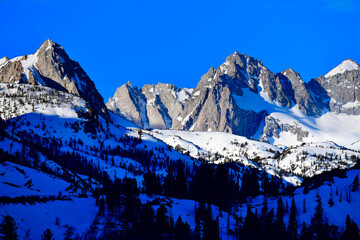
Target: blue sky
x,y
147,42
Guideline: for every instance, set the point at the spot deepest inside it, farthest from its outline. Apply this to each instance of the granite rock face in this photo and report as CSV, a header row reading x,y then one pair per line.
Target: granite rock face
x,y
11,72
129,103
339,93
273,128
152,106
299,93
51,66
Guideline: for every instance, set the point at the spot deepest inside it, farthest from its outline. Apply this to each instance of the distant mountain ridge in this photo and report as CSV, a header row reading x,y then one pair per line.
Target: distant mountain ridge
x,y
239,97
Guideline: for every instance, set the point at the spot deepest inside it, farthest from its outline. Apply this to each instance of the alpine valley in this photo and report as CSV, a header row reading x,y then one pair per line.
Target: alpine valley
x,y
247,154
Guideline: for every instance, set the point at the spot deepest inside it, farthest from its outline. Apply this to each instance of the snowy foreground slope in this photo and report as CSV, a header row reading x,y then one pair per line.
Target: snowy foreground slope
x,y
17,181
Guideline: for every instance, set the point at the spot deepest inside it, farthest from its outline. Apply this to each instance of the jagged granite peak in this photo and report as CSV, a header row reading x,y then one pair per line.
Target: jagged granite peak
x,y
300,93
346,65
213,107
51,66
129,103
152,106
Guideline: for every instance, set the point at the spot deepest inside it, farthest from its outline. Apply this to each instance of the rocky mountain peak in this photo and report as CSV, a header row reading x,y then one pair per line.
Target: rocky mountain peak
x,y
51,66
49,44
293,76
346,65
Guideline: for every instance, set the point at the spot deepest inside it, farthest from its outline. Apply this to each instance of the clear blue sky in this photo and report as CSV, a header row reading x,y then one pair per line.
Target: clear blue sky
x,y
178,41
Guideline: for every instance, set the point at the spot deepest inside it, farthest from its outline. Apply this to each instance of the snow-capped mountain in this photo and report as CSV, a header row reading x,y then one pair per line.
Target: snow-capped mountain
x,y
51,66
347,65
245,98
62,151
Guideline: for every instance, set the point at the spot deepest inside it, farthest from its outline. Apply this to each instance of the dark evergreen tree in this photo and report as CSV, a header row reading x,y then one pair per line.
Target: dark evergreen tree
x,y
293,222
161,221
182,230
169,184
265,208
318,226
266,220
2,128
331,201
181,188
251,226
131,200
69,233
210,225
152,184
279,220
351,231
145,225
224,187
202,184
355,184
306,233
334,232
249,185
47,235
8,228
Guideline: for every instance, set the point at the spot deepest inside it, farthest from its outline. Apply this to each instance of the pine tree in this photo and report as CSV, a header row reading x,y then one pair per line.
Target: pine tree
x,y
169,183
250,229
305,232
331,199
8,228
351,231
145,224
182,230
265,208
2,128
279,219
47,235
69,233
355,184
293,222
180,181
319,228
161,220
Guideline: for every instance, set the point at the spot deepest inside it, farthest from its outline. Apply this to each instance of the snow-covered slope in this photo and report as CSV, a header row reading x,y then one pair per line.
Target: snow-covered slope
x,y
19,99
292,127
34,219
17,180
27,194
291,163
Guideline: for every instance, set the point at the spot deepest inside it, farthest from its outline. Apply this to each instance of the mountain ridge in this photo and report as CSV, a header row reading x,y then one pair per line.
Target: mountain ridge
x,y
239,96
